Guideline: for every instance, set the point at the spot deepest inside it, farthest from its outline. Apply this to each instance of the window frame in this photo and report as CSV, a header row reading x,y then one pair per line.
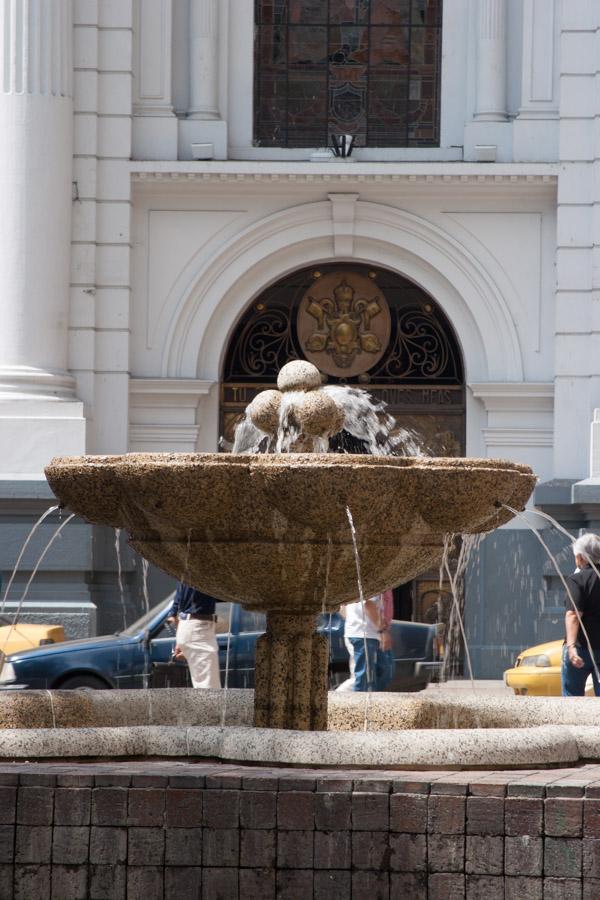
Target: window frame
x,y
370,72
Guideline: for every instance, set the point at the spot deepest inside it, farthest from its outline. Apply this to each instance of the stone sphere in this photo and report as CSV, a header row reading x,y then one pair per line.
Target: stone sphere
x,y
264,411
298,375
319,415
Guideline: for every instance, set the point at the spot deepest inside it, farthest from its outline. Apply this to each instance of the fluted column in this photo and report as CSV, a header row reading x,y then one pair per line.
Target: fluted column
x,y
491,61
39,415
204,59
35,187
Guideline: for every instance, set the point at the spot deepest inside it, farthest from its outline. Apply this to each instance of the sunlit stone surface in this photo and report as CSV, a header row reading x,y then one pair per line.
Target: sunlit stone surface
x,y
435,729
272,530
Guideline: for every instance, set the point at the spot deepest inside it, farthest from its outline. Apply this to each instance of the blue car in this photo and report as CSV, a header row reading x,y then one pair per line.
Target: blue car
x,y
135,657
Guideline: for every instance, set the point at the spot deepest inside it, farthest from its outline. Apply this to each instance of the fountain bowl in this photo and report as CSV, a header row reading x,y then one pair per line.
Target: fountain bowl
x,y
271,531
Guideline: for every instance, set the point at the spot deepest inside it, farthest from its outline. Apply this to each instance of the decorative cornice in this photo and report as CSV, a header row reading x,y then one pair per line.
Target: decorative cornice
x,y
168,391
342,177
525,396
303,172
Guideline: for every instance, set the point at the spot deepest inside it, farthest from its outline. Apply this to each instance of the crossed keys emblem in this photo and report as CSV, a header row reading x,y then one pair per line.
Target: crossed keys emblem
x,y
343,325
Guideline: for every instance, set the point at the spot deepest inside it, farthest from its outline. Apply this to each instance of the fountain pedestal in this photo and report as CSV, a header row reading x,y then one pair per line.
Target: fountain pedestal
x,y
291,675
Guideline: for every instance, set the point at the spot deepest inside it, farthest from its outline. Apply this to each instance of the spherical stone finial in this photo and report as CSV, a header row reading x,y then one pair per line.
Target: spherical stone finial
x,y
319,415
264,411
299,375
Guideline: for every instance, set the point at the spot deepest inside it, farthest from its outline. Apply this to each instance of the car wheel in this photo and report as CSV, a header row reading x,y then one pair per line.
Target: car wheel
x,y
82,682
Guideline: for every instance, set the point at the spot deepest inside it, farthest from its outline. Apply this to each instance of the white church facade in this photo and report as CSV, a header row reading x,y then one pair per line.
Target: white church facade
x,y
169,194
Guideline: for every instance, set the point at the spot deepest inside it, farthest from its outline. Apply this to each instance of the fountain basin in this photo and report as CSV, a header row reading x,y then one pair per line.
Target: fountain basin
x,y
271,530
404,731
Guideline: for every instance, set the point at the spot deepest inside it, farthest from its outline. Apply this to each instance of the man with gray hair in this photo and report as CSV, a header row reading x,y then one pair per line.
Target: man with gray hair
x,y
584,588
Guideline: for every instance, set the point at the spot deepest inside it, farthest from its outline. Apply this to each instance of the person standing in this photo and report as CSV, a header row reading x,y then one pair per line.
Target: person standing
x,y
584,587
366,630
196,639
385,657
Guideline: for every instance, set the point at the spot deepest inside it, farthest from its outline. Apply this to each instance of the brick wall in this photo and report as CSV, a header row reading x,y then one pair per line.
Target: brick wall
x,y
154,830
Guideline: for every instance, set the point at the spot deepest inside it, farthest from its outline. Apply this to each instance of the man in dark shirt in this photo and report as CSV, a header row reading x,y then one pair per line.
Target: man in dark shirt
x,y
584,589
194,612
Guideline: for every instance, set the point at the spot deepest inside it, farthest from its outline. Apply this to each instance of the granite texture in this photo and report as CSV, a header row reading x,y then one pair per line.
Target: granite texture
x,y
403,730
539,746
284,543
272,531
291,675
264,411
385,712
299,375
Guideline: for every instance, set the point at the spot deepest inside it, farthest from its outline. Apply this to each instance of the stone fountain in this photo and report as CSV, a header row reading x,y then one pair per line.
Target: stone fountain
x,y
271,530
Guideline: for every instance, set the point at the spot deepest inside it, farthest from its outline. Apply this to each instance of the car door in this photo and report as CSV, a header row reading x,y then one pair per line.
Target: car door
x,y
250,626
162,643
413,644
332,626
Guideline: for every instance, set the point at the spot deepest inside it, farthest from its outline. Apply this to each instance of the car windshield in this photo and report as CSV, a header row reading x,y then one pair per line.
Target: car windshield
x,y
142,623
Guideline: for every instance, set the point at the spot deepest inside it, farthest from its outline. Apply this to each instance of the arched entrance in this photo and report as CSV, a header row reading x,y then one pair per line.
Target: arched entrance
x,y
404,351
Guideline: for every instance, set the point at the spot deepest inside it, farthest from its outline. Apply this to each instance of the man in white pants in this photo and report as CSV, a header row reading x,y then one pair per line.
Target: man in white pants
x,y
196,635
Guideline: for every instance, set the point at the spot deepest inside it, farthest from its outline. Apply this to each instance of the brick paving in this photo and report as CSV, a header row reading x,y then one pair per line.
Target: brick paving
x,y
209,831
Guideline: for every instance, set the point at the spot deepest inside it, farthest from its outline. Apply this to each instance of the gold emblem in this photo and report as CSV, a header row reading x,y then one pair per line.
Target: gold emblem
x,y
344,323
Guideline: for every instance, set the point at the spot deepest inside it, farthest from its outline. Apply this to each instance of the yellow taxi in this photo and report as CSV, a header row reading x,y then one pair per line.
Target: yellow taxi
x,y
536,672
24,636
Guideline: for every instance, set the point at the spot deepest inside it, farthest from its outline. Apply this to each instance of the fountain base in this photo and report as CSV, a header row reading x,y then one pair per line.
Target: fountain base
x,y
291,675
434,730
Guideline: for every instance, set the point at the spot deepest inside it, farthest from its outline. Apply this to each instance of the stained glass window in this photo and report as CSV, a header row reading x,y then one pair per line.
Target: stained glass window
x,y
370,68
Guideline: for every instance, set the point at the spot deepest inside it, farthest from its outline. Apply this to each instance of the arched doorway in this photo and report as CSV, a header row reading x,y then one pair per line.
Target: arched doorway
x,y
412,362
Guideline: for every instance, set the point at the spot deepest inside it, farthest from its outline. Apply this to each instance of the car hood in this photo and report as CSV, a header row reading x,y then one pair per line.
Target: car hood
x,y
97,643
548,648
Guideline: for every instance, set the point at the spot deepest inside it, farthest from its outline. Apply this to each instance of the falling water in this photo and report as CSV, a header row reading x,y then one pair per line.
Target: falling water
x,y
145,568
327,570
326,594
468,542
120,575
362,602
568,534
365,419
537,534
52,708
226,688
22,551
34,573
186,563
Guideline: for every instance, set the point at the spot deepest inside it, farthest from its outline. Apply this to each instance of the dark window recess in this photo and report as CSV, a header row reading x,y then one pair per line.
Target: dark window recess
x,y
370,68
422,348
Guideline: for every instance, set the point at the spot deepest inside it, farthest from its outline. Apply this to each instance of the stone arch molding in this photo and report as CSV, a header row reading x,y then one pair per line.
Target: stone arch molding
x,y
471,288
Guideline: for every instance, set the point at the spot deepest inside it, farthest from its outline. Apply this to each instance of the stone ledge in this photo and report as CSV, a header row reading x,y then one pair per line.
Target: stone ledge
x,y
405,731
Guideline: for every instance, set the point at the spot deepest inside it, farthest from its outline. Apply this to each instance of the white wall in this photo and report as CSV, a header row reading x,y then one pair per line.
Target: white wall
x,y
164,71
100,248
191,220
207,243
